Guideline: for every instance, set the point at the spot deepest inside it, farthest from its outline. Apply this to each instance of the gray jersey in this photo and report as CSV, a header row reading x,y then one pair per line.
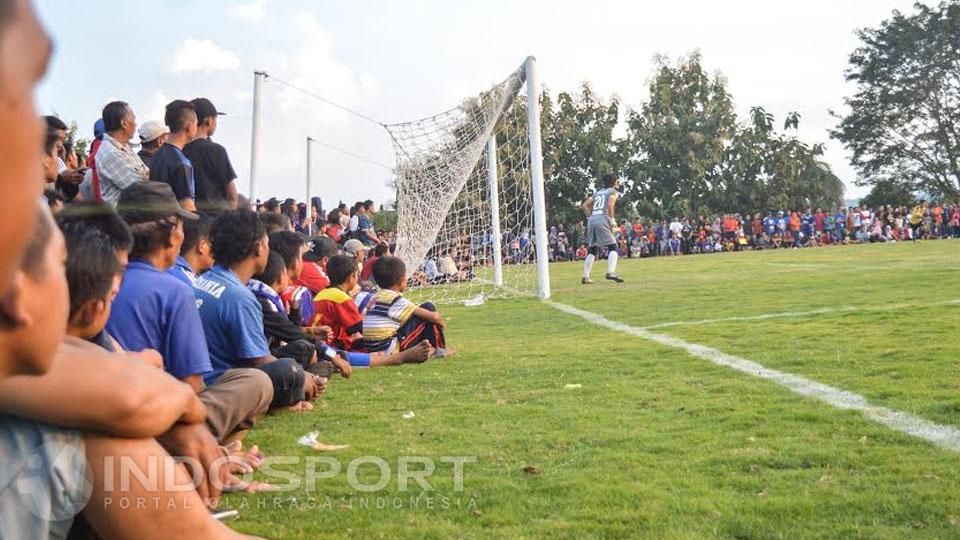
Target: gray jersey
x,y
600,200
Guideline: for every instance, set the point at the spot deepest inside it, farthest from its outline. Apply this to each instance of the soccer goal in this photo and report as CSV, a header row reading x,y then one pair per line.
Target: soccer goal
x,y
471,221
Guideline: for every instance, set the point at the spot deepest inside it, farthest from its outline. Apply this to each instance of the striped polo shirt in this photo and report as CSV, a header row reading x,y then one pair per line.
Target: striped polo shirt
x,y
387,312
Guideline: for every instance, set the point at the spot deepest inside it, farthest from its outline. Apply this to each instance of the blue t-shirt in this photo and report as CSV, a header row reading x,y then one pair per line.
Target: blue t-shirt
x,y
183,271
366,225
232,321
769,225
154,310
841,221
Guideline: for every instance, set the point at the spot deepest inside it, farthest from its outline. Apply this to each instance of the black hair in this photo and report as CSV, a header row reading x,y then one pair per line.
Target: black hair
x,y
92,264
288,245
380,250
610,179
53,196
92,215
333,217
151,236
33,263
113,115
274,222
193,231
54,123
235,236
271,204
389,271
367,204
50,142
340,268
274,269
177,114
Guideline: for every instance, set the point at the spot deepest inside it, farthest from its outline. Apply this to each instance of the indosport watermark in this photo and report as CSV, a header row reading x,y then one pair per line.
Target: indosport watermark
x,y
55,483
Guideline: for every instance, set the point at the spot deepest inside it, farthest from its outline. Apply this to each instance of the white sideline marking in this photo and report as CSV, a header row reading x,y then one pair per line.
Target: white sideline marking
x,y
947,437
787,314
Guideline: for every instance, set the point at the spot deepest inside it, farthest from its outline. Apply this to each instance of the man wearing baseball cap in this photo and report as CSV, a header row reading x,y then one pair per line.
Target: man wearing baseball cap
x,y
213,173
152,136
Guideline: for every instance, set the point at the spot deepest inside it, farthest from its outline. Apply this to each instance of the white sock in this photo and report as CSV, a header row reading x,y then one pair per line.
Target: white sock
x,y
612,262
587,266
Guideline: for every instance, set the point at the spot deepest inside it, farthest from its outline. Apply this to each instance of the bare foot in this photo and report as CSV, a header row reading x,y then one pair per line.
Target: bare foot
x,y
417,354
302,406
252,457
443,353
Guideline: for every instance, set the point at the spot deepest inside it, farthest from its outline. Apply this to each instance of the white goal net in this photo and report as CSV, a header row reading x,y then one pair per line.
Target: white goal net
x,y
447,228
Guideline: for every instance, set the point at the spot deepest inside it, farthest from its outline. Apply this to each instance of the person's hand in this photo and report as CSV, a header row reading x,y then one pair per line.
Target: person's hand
x,y
343,366
320,332
194,441
74,176
310,391
438,320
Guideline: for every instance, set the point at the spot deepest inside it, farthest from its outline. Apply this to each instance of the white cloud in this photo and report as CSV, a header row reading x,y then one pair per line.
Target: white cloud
x,y
203,56
252,12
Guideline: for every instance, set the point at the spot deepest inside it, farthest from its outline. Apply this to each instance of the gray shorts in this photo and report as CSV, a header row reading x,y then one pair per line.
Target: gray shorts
x,y
600,232
44,479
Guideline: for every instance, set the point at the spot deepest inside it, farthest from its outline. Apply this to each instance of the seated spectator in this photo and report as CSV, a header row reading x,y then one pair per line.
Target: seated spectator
x,y
392,322
276,222
196,253
78,217
336,308
117,166
297,298
232,317
155,310
356,249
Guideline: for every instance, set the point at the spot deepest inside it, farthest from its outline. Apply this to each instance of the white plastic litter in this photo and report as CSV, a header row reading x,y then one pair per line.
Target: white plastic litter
x,y
310,439
477,300
573,386
408,415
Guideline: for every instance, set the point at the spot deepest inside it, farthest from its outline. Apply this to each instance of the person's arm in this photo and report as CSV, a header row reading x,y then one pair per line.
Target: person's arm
x,y
233,198
611,205
587,206
427,315
110,393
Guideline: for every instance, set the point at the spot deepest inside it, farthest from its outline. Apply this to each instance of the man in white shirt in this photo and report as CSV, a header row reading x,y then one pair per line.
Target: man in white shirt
x,y
118,166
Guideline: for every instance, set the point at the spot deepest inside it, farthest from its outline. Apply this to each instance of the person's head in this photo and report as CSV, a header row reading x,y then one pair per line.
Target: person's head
x,y
70,157
343,272
274,274
49,162
54,201
181,119
119,121
79,216
323,248
93,276
206,116
275,222
333,217
355,249
368,207
610,180
272,206
196,247
357,209
156,220
56,125
390,273
24,52
33,316
152,135
239,236
290,246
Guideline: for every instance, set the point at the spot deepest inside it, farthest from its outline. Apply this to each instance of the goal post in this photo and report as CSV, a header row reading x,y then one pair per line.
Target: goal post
x,y
471,213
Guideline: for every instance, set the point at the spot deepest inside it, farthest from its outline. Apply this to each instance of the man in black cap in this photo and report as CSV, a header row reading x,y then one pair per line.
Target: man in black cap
x,y
216,181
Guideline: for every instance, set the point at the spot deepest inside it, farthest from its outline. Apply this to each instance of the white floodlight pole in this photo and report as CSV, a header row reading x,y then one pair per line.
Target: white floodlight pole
x,y
536,176
493,182
258,77
309,190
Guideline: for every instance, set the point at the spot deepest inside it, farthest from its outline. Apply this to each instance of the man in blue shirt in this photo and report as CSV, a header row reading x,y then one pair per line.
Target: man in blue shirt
x,y
232,316
196,255
169,165
365,225
154,310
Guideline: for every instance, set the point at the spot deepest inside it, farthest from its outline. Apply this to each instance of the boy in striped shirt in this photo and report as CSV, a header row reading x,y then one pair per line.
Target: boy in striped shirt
x,y
394,323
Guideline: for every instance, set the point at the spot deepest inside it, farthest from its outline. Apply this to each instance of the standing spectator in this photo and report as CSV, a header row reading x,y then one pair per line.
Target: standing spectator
x,y
153,135
216,182
169,164
117,166
365,225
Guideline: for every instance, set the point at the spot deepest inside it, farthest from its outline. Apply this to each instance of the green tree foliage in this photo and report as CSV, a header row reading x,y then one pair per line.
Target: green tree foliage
x,y
903,122
886,192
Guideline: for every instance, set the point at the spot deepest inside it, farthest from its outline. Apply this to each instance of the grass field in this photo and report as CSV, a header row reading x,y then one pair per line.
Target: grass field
x,y
656,442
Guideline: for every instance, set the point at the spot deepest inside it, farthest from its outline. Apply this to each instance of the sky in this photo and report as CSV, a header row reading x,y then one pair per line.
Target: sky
x,y
401,61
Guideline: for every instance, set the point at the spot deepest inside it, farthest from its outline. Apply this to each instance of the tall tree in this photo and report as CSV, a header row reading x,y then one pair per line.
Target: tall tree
x,y
904,119
679,137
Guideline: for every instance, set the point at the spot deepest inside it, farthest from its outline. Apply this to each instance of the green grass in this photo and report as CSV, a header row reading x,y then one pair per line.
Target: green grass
x,y
656,443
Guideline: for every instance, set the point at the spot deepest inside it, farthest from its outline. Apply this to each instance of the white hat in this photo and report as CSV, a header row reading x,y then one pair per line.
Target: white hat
x,y
151,130
353,245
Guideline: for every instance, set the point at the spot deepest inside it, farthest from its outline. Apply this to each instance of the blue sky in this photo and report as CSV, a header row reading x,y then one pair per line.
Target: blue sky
x,y
400,61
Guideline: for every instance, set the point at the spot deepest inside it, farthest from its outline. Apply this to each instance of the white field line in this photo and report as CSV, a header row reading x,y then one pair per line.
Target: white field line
x,y
947,437
810,313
